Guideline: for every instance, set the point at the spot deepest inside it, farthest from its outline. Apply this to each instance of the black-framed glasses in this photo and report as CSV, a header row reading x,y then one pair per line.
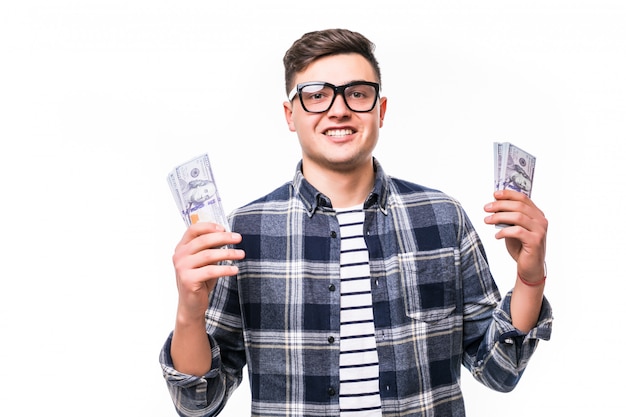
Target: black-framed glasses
x,y
318,96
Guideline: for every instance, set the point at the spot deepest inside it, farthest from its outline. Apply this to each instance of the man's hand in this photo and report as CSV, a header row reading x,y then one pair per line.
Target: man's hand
x,y
526,237
196,259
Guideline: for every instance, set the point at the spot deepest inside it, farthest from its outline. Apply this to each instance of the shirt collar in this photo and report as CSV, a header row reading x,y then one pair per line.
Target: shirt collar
x,y
312,198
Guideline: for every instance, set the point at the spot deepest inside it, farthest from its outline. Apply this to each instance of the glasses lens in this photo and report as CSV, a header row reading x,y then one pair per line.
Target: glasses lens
x,y
316,97
360,97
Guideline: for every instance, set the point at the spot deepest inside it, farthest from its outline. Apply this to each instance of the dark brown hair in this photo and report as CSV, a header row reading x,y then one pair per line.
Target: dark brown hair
x,y
314,45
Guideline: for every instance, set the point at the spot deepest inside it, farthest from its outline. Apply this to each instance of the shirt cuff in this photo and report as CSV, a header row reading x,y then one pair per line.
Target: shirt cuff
x,y
174,377
504,322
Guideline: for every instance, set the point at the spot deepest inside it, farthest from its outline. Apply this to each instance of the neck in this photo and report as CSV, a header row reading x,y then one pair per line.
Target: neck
x,y
344,188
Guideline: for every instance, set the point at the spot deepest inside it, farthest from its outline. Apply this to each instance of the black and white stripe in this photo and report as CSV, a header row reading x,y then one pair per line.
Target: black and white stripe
x,y
358,371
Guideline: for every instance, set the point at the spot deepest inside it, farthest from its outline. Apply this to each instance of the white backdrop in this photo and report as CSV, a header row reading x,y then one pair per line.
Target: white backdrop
x,y
100,99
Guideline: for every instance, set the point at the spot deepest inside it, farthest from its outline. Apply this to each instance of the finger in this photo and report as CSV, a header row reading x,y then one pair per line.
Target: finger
x,y
215,256
528,239
532,223
195,276
213,240
207,250
511,195
196,271
525,207
199,229
509,218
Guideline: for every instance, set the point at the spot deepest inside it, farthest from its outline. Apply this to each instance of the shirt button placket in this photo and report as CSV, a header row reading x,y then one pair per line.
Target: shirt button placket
x,y
331,339
331,288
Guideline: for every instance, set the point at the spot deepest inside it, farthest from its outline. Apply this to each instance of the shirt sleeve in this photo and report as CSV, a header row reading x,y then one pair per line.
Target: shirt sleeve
x,y
506,351
206,396
194,395
495,352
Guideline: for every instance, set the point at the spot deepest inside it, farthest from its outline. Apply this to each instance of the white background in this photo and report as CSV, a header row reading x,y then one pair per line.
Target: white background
x,y
100,99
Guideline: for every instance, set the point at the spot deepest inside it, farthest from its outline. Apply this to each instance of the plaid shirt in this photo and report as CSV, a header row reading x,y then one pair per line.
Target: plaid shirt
x,y
436,307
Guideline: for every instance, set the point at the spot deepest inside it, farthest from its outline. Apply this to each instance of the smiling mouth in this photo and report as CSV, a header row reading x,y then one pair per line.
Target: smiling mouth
x,y
339,132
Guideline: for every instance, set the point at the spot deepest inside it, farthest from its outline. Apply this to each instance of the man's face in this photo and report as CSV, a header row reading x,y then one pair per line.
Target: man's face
x,y
521,181
202,193
338,139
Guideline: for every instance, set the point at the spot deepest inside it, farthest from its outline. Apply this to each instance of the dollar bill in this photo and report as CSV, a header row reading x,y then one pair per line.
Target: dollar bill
x,y
497,163
171,181
194,190
514,169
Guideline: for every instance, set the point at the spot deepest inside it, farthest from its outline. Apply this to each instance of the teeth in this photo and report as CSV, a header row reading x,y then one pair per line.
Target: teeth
x,y
339,132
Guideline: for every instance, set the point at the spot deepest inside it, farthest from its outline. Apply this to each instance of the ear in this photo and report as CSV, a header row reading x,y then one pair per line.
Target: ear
x,y
383,110
289,115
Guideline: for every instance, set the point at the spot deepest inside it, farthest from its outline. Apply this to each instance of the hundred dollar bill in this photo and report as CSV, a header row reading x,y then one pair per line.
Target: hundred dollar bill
x,y
195,193
497,163
171,181
514,169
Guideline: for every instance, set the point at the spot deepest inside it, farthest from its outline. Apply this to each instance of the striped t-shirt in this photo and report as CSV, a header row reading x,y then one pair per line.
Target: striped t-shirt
x,y
359,394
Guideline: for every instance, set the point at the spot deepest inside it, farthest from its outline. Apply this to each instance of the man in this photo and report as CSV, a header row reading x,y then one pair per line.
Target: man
x,y
351,293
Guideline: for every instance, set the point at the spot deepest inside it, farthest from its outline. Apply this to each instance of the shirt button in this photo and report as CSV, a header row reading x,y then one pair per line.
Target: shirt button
x,y
331,287
331,339
333,234
331,391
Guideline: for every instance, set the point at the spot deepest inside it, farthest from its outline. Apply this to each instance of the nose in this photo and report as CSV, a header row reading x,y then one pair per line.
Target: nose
x,y
339,107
